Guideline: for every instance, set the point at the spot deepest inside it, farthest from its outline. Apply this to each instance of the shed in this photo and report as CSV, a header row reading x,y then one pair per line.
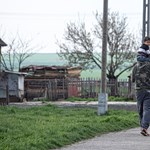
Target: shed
x,y
12,85
49,81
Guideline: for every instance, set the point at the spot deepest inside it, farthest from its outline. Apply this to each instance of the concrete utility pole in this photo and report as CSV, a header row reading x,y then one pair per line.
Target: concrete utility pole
x,y
102,98
146,19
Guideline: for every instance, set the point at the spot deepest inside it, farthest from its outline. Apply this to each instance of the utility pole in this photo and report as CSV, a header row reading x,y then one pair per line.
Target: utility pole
x,y
146,19
102,98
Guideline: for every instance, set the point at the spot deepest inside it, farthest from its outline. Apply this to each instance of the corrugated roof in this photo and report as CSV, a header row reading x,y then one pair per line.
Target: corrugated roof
x,y
12,72
34,67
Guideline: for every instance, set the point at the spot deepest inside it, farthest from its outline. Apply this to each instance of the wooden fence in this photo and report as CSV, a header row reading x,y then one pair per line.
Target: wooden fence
x,y
54,89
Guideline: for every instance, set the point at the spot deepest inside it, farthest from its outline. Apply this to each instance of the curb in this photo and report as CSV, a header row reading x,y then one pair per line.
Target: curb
x,y
111,105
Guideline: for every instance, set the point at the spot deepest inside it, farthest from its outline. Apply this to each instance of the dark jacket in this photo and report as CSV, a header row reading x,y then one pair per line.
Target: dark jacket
x,y
141,75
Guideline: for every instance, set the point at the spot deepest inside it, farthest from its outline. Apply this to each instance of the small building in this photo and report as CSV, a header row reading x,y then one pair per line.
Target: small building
x,y
12,86
49,81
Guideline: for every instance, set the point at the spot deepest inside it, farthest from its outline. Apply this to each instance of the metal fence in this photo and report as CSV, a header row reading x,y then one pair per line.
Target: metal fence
x,y
54,89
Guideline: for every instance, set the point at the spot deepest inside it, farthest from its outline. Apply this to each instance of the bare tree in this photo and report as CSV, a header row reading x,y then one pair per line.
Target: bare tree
x,y
82,47
121,44
16,52
78,47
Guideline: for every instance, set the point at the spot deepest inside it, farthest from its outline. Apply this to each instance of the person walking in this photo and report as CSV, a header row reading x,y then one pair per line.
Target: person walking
x,y
141,78
143,53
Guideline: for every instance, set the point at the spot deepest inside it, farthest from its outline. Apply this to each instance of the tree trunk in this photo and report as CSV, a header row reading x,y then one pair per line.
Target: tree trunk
x,y
113,86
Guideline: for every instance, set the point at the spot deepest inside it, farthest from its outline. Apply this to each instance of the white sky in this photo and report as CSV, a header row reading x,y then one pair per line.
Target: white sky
x,y
45,20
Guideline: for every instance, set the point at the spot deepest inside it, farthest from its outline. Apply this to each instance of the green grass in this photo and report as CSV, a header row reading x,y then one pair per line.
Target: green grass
x,y
110,98
50,127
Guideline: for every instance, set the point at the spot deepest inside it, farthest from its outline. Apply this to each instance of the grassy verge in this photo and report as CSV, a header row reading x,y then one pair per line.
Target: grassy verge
x,y
110,98
50,127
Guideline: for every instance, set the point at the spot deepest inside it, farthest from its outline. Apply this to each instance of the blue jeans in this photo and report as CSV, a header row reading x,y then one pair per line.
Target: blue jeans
x,y
143,105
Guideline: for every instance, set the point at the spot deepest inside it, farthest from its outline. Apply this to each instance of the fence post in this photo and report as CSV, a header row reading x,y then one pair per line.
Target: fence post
x,y
7,94
129,87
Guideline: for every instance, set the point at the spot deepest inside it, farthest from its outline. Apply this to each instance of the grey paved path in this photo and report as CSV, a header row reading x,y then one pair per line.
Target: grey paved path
x,y
124,140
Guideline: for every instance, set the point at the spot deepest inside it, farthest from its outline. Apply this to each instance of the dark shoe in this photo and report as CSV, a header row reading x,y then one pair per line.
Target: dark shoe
x,y
144,132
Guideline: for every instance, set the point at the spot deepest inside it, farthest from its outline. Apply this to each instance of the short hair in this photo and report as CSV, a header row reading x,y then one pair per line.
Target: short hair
x,y
146,39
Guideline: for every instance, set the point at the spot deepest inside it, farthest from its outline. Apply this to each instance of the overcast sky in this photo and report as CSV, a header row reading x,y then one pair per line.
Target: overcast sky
x,y
45,20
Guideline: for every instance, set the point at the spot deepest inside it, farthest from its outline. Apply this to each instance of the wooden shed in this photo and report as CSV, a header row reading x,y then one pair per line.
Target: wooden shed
x,y
49,81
